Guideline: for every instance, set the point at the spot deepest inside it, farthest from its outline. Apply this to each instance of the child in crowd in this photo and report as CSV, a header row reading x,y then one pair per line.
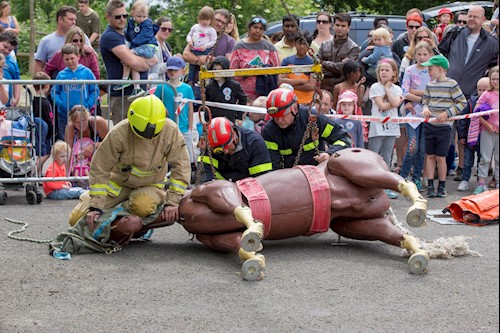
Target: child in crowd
x,y
140,33
442,98
489,131
258,118
471,148
381,39
44,119
183,114
4,88
414,82
348,102
60,190
224,90
202,37
354,81
386,97
445,16
302,83
68,95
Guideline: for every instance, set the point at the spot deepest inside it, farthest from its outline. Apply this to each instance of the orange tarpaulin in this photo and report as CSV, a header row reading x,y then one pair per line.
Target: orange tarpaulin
x,y
477,210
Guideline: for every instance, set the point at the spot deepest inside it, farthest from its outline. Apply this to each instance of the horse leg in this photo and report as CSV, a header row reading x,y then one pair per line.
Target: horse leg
x,y
367,169
224,197
254,263
383,230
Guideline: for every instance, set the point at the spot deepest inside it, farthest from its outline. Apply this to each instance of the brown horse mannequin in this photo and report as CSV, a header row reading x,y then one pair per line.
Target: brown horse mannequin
x,y
217,212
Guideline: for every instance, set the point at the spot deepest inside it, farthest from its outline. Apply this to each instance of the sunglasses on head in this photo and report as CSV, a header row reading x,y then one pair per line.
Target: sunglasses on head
x,y
257,20
166,29
322,21
117,17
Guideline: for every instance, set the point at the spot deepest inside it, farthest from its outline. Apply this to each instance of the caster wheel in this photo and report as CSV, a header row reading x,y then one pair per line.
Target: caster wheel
x,y
418,263
29,188
415,217
251,269
250,241
3,198
31,197
39,197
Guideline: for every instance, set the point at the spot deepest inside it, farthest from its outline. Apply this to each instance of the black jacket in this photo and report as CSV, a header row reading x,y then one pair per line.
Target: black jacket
x,y
284,144
230,92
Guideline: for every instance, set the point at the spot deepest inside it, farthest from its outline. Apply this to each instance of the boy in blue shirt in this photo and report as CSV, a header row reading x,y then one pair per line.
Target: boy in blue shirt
x,y
68,95
183,113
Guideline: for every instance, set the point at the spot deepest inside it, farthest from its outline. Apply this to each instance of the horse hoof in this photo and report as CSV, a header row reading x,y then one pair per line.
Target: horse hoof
x,y
251,270
250,241
415,216
418,263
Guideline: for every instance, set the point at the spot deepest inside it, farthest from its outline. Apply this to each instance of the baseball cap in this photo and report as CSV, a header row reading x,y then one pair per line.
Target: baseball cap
x,y
175,63
437,60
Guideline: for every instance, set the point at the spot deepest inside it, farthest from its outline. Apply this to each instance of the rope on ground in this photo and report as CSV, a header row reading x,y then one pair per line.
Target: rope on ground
x,y
23,229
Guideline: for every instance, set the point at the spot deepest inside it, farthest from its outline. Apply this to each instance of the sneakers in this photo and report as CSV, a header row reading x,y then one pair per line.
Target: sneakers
x,y
480,189
441,192
391,194
451,173
136,93
431,192
458,175
463,186
121,86
425,182
418,184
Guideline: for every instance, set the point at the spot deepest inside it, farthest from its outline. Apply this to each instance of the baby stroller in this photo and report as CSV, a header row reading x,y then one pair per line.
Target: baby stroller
x,y
17,154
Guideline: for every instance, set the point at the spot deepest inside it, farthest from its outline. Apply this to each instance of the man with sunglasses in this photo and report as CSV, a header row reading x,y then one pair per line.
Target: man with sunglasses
x,y
52,43
115,53
286,46
471,51
237,152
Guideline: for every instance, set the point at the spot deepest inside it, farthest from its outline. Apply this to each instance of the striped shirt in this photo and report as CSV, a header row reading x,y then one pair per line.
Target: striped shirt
x,y
442,96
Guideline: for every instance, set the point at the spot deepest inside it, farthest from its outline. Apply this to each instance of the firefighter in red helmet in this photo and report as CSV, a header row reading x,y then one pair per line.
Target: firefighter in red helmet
x,y
284,132
237,152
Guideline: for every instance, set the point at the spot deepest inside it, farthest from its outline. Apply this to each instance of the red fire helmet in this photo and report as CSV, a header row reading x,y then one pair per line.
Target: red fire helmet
x,y
279,102
219,132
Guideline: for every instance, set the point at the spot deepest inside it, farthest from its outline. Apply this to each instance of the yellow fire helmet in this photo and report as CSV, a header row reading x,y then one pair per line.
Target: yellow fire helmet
x,y
146,116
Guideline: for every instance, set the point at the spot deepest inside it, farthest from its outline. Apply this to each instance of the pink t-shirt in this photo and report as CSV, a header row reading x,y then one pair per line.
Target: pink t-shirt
x,y
490,97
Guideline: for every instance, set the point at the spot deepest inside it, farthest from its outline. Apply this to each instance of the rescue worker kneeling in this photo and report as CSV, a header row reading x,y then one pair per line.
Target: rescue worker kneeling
x,y
238,153
130,167
283,134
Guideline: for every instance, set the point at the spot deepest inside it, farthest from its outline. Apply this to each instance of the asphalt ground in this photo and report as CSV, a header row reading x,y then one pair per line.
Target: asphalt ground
x,y
174,284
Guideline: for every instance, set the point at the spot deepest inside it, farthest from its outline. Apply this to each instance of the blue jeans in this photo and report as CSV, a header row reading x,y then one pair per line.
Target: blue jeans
x,y
415,152
64,194
450,158
62,120
469,156
43,145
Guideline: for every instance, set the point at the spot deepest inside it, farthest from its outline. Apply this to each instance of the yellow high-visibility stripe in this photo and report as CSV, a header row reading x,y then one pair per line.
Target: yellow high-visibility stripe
x,y
114,188
260,168
327,131
139,173
286,152
311,145
206,159
271,145
340,143
98,189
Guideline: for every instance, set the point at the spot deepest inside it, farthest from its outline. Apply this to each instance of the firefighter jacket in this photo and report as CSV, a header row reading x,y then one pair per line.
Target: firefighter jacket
x,y
250,159
125,160
284,144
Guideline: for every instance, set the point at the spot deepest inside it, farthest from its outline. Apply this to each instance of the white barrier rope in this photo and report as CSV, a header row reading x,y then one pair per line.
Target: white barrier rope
x,y
369,119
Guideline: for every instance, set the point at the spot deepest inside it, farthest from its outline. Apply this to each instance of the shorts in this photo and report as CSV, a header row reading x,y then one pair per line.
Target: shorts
x,y
437,139
145,51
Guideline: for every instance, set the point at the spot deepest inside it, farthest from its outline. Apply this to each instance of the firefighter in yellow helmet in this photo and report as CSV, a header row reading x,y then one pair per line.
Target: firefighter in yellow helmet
x,y
131,166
